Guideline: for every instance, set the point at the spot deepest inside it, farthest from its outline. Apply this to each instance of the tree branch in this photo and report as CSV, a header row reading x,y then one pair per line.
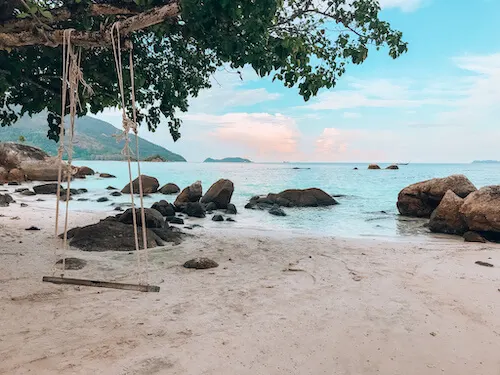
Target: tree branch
x,y
89,38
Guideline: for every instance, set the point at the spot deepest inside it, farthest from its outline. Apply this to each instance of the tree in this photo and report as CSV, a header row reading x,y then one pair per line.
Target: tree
x,y
178,45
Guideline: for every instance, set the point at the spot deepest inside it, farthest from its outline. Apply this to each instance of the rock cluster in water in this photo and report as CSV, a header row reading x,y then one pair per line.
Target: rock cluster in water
x,y
454,206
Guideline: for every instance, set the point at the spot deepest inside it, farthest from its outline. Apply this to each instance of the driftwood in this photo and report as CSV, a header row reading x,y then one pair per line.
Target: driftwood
x,y
53,38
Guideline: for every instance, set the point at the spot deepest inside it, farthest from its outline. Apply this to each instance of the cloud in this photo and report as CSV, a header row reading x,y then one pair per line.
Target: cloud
x,y
351,115
266,136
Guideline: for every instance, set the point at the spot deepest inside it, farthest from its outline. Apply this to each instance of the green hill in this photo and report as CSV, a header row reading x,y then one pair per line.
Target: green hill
x,y
94,139
227,160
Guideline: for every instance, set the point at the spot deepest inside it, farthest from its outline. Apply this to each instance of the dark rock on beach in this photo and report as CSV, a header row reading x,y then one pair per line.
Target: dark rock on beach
x,y
276,211
163,207
5,200
107,175
111,188
46,189
149,185
422,198
28,193
194,209
219,193
20,190
473,237
295,198
481,210
192,193
446,218
201,263
116,194
231,209
175,220
102,199
211,206
82,172
154,219
217,218
170,188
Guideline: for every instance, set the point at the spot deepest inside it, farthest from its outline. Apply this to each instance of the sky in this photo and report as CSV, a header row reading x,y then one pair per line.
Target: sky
x,y
440,102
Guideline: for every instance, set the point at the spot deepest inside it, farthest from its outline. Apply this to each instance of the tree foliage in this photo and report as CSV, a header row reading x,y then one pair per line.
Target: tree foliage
x,y
303,43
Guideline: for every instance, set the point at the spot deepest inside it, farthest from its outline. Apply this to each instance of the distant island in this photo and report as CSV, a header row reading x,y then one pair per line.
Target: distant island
x,y
227,160
486,162
94,139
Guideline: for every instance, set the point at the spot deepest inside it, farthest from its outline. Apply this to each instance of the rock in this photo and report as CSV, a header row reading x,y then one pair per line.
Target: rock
x,y
32,228
355,168
175,220
295,198
5,200
231,209
154,219
446,218
116,194
211,206
109,235
24,205
46,189
192,193
149,185
111,188
230,219
83,172
169,234
13,183
82,191
64,197
473,237
219,193
20,190
118,208
72,263
194,209
28,193
217,218
420,199
82,199
276,211
481,210
106,175
484,264
102,199
163,207
250,205
170,188
373,166
393,166
16,175
3,175
201,263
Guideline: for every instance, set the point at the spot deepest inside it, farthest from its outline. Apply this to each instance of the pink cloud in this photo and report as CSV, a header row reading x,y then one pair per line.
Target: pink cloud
x,y
268,136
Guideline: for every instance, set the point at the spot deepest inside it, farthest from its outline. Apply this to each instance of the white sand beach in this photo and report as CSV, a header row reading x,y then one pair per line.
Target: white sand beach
x,y
277,304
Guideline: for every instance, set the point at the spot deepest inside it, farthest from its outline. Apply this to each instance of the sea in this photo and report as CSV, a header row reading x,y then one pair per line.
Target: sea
x,y
367,198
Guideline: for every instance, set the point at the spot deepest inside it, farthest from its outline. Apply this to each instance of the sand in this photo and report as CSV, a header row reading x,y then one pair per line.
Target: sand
x,y
277,304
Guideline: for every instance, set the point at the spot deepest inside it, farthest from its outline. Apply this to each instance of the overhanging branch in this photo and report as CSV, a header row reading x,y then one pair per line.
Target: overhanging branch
x,y
54,38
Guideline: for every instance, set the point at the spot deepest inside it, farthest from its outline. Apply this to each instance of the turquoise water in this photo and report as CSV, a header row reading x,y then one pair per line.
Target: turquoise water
x,y
365,192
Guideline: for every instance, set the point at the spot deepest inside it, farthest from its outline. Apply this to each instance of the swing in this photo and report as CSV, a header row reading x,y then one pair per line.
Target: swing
x,y
72,77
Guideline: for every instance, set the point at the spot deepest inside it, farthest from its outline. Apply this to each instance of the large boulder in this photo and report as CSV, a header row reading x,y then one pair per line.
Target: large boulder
x,y
446,218
109,235
170,188
219,193
3,175
25,162
422,198
154,219
312,197
194,209
481,210
46,189
165,208
149,185
82,172
373,166
5,200
192,193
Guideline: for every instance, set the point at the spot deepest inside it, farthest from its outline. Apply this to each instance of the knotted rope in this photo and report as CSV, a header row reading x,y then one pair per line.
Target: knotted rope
x,y
131,125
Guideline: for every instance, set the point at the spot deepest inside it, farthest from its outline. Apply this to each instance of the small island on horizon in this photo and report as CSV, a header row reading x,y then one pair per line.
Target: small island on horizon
x,y
228,160
486,162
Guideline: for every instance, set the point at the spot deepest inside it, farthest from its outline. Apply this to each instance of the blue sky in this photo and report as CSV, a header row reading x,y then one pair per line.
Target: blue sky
x,y
438,103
